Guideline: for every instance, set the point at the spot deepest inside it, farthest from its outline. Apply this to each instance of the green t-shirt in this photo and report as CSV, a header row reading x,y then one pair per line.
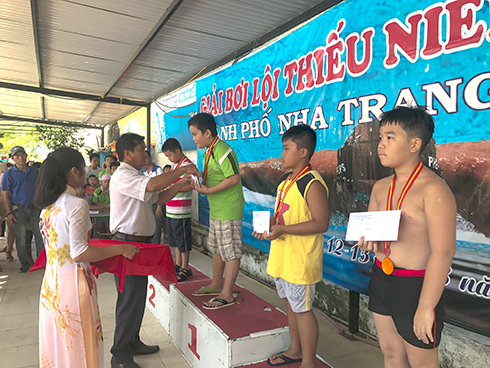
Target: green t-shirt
x,y
228,204
101,198
105,171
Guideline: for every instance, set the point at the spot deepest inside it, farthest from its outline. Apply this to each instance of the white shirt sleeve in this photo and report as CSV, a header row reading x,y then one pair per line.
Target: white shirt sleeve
x,y
80,225
133,184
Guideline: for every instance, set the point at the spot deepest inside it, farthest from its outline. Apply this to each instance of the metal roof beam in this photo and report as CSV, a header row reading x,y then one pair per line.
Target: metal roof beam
x,y
49,122
74,95
161,23
303,17
38,54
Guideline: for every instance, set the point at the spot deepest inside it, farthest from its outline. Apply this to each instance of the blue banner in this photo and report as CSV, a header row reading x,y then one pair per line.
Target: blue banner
x,y
338,73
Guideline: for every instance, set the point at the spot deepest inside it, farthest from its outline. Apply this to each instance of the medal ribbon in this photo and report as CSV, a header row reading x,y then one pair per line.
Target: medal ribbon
x,y
408,184
208,155
281,195
179,163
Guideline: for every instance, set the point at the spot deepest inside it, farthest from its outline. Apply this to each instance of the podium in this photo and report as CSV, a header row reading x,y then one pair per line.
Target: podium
x,y
245,334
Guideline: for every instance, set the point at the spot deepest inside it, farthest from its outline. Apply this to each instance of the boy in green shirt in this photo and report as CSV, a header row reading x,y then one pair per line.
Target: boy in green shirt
x,y
222,183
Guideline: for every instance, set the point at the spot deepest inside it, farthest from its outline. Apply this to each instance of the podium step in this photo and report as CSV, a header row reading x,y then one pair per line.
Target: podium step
x,y
319,363
249,331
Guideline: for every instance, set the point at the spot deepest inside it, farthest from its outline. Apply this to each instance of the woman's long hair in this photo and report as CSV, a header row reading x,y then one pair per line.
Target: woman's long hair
x,y
53,174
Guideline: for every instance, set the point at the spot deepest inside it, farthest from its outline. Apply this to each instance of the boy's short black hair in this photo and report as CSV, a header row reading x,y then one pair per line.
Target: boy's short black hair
x,y
416,121
93,176
204,121
114,164
171,145
94,155
111,157
128,141
167,167
303,136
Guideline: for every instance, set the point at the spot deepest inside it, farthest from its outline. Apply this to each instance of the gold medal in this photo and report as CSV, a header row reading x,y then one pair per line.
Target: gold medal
x,y
387,266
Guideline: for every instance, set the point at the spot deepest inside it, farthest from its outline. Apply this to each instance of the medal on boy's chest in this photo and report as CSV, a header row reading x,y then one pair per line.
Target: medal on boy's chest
x,y
387,264
209,153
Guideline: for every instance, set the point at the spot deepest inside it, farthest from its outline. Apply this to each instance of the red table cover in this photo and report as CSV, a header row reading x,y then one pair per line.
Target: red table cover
x,y
152,259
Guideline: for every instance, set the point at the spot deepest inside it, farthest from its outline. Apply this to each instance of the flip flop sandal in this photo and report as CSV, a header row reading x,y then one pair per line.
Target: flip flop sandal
x,y
285,360
208,292
223,302
184,274
177,268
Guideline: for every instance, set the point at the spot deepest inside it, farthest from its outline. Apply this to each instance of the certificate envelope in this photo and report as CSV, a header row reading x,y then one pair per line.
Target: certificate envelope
x,y
375,225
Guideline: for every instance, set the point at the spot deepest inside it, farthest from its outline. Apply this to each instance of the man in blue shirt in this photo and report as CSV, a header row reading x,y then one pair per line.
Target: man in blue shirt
x,y
18,187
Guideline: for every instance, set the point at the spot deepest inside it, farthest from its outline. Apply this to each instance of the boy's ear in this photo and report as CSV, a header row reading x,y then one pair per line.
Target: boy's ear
x,y
416,144
208,133
303,152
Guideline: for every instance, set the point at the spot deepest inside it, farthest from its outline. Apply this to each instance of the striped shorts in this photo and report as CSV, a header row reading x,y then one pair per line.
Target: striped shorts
x,y
225,238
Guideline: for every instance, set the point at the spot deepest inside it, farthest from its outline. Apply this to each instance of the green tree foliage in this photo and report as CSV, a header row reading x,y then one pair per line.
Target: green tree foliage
x,y
56,137
30,140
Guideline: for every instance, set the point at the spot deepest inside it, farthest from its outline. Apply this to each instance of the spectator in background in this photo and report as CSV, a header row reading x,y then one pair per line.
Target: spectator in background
x,y
151,170
113,167
167,168
18,187
109,159
93,168
102,199
4,224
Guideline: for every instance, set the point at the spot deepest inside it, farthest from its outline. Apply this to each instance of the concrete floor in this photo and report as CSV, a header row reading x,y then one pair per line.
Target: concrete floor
x,y
19,303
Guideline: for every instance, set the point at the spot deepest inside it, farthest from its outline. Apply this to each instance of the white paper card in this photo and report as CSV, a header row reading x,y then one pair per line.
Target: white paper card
x,y
196,180
261,221
375,225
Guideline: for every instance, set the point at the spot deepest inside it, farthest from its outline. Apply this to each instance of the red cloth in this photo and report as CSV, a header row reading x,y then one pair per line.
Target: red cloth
x,y
152,259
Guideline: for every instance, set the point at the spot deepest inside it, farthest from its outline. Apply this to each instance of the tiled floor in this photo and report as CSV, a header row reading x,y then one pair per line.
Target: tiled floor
x,y
19,299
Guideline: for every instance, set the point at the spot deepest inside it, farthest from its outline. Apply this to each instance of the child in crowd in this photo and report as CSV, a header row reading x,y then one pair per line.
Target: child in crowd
x,y
178,212
93,184
109,159
296,255
93,168
167,168
102,200
408,277
113,167
222,183
80,191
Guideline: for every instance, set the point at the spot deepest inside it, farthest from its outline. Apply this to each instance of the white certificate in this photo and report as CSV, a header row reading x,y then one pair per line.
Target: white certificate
x,y
261,221
375,225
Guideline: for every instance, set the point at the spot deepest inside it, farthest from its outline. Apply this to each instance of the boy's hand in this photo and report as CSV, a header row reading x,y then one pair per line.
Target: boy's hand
x,y
200,188
260,236
159,212
276,232
369,246
423,323
129,250
185,180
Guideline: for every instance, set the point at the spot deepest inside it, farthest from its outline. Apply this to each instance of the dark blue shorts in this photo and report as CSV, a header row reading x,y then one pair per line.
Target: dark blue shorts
x,y
179,234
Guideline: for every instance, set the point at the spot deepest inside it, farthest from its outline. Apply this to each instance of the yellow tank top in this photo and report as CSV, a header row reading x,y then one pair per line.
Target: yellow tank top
x,y
297,258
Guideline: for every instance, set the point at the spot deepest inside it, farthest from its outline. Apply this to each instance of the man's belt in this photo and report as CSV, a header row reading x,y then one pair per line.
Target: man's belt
x,y
136,238
22,205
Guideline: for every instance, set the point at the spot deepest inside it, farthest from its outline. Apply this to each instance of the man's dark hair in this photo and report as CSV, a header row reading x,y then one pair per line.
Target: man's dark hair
x,y
128,141
37,164
171,145
111,157
93,155
303,136
203,122
114,164
416,121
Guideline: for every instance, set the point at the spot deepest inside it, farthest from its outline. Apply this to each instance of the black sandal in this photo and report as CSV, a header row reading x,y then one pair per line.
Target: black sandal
x,y
184,274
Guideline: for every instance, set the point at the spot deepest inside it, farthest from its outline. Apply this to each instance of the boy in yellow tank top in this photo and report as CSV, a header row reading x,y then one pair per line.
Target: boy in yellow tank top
x,y
296,255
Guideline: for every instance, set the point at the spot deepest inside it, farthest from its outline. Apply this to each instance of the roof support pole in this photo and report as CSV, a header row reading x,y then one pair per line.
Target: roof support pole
x,y
148,127
102,143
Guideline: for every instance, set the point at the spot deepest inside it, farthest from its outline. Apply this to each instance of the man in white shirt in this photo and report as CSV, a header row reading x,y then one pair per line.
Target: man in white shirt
x,y
132,195
150,169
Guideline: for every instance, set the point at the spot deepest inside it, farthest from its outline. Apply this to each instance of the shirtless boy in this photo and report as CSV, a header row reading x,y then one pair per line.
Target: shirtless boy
x,y
407,304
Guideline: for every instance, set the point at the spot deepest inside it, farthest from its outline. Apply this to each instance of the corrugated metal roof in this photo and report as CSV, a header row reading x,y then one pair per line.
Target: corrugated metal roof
x,y
124,49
